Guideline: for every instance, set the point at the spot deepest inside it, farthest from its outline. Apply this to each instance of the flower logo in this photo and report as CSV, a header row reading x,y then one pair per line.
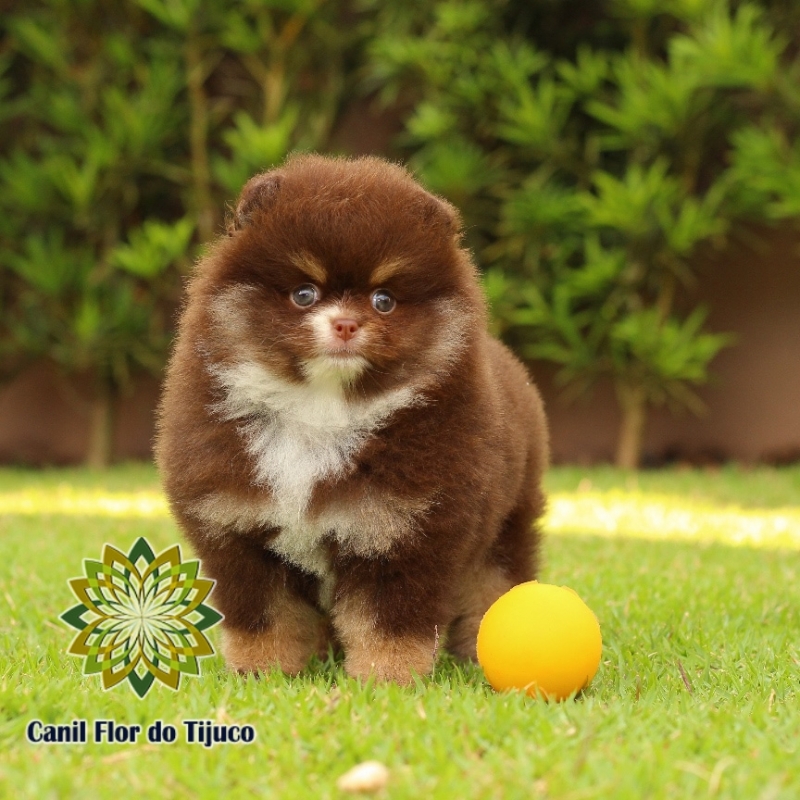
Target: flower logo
x,y
141,617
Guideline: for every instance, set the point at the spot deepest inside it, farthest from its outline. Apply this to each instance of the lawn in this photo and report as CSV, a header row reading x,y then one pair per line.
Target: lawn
x,y
694,576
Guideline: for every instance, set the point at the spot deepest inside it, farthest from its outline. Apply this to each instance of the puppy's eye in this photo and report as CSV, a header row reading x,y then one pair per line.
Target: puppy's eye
x,y
383,301
305,296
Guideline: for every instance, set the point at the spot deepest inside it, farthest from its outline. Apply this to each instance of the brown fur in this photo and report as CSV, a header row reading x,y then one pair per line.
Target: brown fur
x,y
391,485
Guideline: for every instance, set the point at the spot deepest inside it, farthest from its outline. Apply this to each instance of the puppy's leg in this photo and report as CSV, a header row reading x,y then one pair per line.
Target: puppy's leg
x,y
385,619
480,588
270,619
512,559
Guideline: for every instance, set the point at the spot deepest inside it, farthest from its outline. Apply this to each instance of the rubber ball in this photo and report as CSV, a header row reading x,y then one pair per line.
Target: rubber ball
x,y
540,639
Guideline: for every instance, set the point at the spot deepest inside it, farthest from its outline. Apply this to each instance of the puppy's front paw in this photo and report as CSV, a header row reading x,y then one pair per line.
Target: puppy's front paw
x,y
275,646
390,659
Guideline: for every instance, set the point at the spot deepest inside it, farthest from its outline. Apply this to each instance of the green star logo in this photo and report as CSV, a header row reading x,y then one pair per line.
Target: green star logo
x,y
141,617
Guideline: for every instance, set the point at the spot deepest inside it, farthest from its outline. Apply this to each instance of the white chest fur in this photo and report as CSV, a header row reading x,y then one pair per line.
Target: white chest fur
x,y
298,435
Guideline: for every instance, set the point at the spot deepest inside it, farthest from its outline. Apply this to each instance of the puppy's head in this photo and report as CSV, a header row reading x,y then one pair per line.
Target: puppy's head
x,y
341,273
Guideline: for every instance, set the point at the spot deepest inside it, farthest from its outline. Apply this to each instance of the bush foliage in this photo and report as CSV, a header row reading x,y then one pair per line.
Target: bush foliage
x,y
594,149
125,129
594,161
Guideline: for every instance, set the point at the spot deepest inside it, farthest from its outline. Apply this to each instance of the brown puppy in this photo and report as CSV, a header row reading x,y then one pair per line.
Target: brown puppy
x,y
348,450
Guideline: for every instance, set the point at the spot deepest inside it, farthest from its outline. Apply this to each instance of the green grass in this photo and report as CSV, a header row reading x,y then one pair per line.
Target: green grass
x,y
695,577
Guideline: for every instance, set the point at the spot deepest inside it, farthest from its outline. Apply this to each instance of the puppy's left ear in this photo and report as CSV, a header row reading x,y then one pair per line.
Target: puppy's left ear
x,y
437,212
260,193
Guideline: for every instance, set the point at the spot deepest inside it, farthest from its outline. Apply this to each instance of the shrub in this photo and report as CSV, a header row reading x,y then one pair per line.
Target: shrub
x,y
592,172
124,128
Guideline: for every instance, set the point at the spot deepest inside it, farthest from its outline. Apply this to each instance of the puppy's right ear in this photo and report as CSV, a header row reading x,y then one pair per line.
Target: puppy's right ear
x,y
258,194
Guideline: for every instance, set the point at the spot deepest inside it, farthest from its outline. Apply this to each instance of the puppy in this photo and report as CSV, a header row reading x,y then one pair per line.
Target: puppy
x,y
354,459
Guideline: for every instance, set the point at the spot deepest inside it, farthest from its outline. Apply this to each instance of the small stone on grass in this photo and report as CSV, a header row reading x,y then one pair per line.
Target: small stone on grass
x,y
368,776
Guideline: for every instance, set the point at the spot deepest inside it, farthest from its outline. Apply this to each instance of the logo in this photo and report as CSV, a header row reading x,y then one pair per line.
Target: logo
x,y
141,617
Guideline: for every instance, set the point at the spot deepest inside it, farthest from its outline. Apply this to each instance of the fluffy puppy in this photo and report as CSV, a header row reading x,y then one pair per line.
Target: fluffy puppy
x,y
348,450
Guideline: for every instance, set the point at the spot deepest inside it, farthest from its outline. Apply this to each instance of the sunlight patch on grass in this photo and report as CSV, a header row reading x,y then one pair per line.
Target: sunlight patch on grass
x,y
630,512
646,515
69,500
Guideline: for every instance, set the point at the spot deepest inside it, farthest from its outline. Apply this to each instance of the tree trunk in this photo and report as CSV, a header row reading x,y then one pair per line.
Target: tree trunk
x,y
101,428
634,410
198,137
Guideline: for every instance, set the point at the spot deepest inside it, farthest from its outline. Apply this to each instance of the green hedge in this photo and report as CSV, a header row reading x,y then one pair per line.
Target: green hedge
x,y
593,148
126,128
593,159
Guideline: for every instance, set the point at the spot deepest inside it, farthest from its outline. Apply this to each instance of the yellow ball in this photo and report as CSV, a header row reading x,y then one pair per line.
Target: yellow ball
x,y
541,639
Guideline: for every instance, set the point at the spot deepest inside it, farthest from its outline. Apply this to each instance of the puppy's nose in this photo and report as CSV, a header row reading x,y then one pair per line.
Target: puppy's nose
x,y
345,329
